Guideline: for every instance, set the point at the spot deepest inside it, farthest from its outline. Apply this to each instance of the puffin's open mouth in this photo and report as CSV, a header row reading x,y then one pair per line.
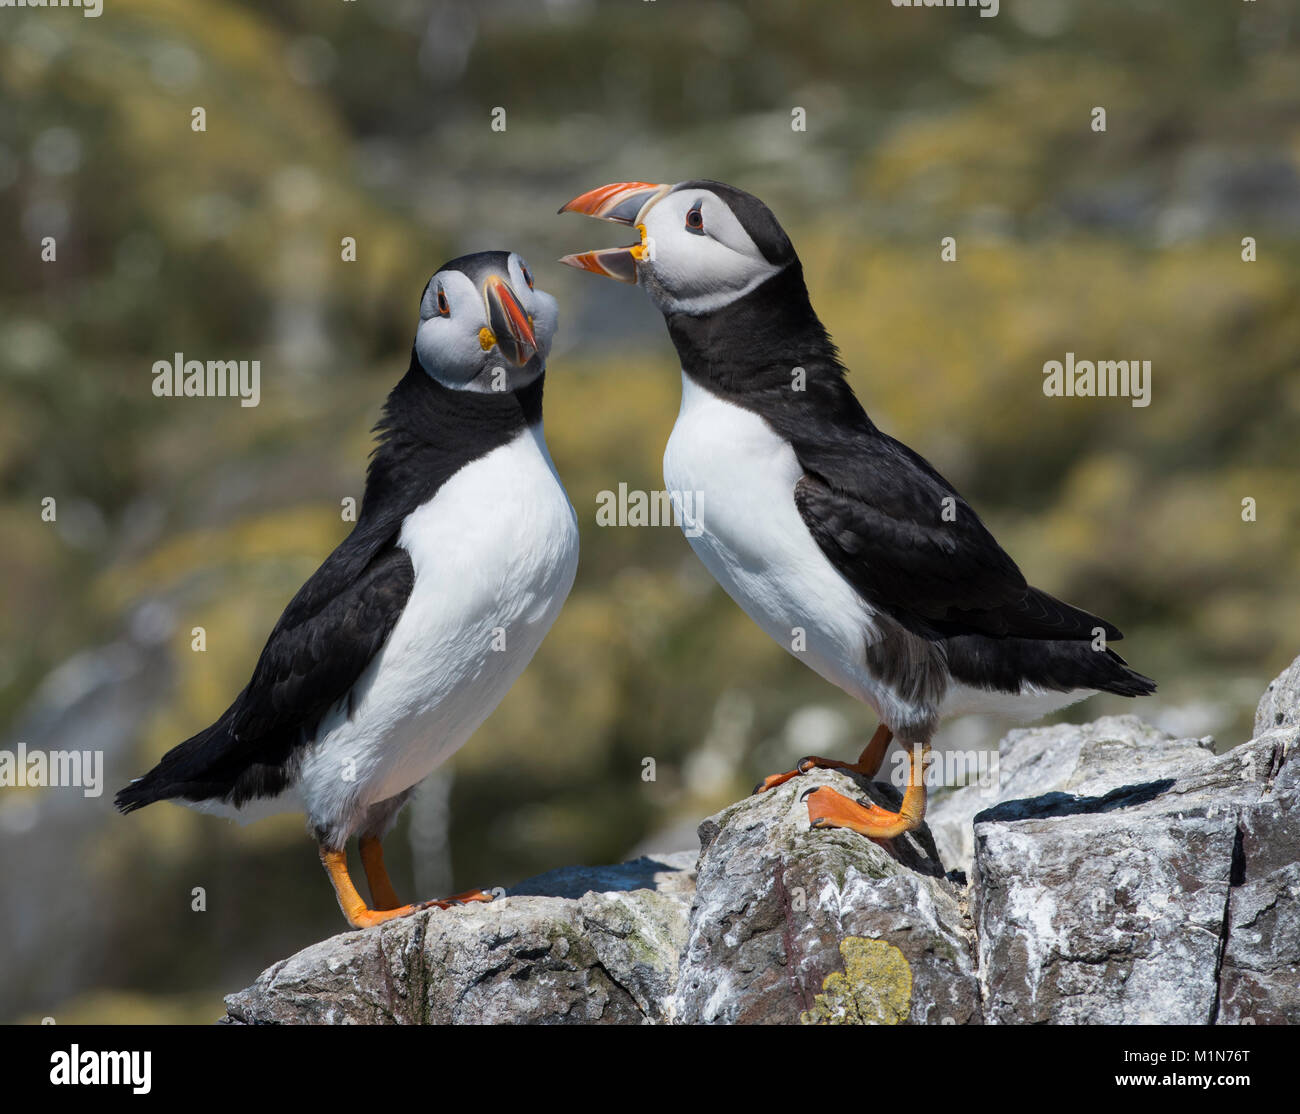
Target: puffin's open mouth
x,y
621,203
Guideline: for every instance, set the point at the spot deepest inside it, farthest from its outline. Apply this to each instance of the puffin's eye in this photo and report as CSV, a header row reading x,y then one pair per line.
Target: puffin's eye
x,y
528,275
444,307
695,220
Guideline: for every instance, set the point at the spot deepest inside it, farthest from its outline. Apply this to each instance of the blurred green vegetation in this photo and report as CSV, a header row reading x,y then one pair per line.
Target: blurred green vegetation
x,y
371,120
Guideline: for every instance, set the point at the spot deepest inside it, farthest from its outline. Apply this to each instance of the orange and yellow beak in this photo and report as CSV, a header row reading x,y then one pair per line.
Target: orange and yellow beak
x,y
621,203
510,328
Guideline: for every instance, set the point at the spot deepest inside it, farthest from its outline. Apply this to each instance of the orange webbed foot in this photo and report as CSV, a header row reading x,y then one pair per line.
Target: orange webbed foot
x,y
829,809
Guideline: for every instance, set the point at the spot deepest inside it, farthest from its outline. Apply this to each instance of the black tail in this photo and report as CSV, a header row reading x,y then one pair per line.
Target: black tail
x,y
142,791
182,772
1003,664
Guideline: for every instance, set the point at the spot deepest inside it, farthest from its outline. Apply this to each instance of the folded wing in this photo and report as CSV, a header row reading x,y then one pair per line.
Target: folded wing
x,y
914,548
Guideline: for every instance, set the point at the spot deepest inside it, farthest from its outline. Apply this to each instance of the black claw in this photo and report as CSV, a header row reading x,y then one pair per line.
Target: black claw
x,y
758,788
808,792
805,764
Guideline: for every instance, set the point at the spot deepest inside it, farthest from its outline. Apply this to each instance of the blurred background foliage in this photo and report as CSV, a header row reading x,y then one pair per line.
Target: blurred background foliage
x,y
372,120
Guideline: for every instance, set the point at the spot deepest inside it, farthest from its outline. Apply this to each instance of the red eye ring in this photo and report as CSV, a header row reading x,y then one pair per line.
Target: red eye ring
x,y
528,275
444,307
695,219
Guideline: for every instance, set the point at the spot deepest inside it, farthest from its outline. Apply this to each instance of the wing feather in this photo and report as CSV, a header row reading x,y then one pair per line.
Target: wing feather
x,y
322,643
904,537
317,653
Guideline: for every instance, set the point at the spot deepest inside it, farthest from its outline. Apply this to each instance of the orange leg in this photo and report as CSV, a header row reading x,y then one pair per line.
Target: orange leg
x,y
829,809
868,763
381,887
358,914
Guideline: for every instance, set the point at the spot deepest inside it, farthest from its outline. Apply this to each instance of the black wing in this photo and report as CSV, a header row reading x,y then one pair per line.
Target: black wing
x,y
914,548
323,641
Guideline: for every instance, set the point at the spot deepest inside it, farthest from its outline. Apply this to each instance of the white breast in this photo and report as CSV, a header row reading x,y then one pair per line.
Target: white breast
x,y
494,552
749,534
741,476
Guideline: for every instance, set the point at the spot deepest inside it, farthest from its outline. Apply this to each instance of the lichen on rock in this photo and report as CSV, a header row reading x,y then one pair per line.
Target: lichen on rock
x,y
875,987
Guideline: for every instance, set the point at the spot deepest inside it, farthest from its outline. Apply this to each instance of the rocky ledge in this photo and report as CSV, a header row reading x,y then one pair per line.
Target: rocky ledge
x,y
1116,874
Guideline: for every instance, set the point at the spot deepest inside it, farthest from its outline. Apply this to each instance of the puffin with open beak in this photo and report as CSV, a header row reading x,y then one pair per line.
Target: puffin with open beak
x,y
844,545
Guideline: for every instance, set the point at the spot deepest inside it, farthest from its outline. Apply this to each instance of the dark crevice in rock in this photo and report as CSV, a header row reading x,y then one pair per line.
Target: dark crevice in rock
x,y
1236,877
418,973
597,965
390,991
1274,767
490,973
530,954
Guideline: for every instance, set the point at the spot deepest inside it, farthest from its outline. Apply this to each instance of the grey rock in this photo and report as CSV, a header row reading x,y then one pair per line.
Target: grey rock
x,y
1280,704
791,924
1090,759
1117,874
598,955
1118,906
1260,977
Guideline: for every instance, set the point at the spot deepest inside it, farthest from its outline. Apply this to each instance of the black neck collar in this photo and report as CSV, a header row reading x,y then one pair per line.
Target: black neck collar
x,y
428,432
422,408
747,353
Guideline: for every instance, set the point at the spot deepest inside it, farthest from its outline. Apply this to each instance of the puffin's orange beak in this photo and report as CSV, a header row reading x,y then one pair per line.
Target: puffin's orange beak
x,y
511,330
621,203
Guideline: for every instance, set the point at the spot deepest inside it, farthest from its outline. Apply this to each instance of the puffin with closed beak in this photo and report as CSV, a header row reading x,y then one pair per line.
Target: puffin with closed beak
x,y
844,545
416,626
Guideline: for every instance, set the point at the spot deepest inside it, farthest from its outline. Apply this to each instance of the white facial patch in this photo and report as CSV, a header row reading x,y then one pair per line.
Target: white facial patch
x,y
448,345
698,271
